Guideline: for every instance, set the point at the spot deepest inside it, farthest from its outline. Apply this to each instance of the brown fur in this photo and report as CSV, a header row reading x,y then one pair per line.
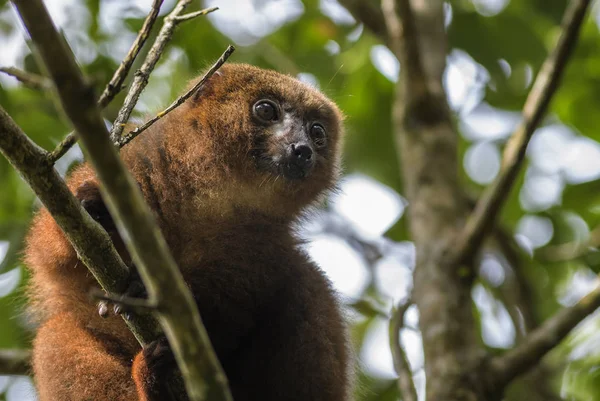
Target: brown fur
x,y
272,316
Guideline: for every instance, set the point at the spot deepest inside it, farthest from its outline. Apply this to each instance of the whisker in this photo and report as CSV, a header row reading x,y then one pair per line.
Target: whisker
x,y
334,75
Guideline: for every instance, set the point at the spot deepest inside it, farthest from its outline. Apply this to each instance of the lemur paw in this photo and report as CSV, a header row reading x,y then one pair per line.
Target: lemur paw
x,y
158,356
152,369
135,290
91,200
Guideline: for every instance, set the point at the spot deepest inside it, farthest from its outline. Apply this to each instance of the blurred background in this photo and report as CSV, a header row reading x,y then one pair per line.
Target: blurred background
x,y
543,257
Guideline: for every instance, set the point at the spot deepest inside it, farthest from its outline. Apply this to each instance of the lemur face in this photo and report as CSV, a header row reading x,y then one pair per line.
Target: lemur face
x,y
273,131
290,141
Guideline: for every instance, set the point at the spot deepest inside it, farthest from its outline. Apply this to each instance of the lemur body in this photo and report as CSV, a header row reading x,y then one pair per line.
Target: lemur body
x,y
226,174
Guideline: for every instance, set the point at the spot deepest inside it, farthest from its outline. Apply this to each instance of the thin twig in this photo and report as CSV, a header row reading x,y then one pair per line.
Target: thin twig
x,y
188,16
540,341
115,84
406,385
178,314
15,362
143,74
368,306
29,79
490,204
125,139
570,250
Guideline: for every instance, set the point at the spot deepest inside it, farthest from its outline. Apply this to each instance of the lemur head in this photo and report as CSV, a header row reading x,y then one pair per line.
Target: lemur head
x,y
277,138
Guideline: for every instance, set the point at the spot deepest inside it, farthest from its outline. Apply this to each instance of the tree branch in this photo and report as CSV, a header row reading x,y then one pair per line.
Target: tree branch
x,y
125,139
115,85
540,341
544,87
178,314
143,74
15,362
405,381
427,144
404,43
29,79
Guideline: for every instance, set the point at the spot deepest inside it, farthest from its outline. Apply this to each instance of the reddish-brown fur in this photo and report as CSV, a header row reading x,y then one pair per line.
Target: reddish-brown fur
x,y
272,317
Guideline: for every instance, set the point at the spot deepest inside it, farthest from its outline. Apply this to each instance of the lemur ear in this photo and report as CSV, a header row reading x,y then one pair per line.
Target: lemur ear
x,y
207,87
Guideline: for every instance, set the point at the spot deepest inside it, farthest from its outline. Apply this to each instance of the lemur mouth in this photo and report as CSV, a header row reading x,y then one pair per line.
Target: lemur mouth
x,y
295,172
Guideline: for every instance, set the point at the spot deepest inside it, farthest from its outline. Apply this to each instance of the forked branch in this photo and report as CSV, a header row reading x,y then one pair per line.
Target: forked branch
x,y
540,341
115,85
142,75
406,384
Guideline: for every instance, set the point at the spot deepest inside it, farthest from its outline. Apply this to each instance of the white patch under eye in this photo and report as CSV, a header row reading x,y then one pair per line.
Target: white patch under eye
x,y
285,126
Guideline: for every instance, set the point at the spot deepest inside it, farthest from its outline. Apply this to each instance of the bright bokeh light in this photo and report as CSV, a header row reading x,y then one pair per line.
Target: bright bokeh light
x,y
370,206
420,380
488,123
492,270
464,81
3,249
332,47
580,284
375,354
497,329
20,389
9,281
413,346
308,78
582,160
392,279
247,21
342,264
385,62
537,229
482,162
540,191
336,12
490,8
546,150
557,149
4,382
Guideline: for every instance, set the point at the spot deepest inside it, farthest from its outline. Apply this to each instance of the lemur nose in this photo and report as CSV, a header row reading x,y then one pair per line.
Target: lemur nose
x,y
302,152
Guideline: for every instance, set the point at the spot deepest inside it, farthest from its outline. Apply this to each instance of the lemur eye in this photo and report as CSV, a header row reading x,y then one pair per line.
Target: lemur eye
x,y
318,135
266,111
